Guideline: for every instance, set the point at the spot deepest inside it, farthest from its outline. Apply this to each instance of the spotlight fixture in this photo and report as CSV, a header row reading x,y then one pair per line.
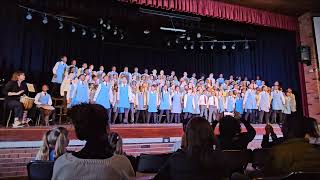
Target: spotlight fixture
x,y
188,38
104,25
29,16
45,19
60,25
100,21
212,46
185,47
115,32
108,26
84,32
233,46
224,46
94,35
121,36
73,29
201,47
192,46
168,43
246,45
102,37
198,35
177,41
146,31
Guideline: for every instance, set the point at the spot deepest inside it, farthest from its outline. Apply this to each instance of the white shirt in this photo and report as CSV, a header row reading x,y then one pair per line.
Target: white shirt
x,y
55,68
213,101
203,100
36,99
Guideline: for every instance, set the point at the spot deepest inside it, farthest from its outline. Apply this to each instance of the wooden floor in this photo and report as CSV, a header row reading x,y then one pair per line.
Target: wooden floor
x,y
125,130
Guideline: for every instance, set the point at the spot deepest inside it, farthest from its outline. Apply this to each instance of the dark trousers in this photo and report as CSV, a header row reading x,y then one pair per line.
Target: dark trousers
x,y
109,111
175,117
154,117
45,117
17,108
264,115
252,114
143,114
187,115
167,115
55,89
276,115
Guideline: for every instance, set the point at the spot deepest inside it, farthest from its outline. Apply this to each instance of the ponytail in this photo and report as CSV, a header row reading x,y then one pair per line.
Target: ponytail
x,y
43,153
60,147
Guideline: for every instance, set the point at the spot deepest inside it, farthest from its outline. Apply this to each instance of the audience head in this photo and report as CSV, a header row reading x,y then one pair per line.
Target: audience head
x,y
89,121
310,127
229,127
115,143
200,139
55,139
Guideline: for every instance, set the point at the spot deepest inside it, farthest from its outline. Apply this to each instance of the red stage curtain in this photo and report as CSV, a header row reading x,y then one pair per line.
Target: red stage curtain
x,y
222,10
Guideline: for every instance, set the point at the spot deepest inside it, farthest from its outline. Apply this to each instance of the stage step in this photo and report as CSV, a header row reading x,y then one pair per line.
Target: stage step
x,y
13,162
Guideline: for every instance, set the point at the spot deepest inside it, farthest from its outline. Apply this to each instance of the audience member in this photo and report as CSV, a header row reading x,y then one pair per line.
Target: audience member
x,y
312,131
115,142
96,160
231,137
266,143
295,153
200,159
54,144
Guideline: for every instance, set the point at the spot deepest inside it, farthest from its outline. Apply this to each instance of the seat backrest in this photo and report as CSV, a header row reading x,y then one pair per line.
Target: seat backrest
x,y
303,175
260,157
238,159
40,170
151,163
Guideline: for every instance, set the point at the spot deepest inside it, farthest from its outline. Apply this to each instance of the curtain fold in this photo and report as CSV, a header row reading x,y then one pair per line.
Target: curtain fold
x,y
223,10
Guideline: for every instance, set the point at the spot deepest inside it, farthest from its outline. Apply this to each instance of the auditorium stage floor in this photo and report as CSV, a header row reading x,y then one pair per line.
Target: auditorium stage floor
x,y
125,130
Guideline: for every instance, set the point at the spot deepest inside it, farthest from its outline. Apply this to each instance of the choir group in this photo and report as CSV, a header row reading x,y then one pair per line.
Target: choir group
x,y
147,97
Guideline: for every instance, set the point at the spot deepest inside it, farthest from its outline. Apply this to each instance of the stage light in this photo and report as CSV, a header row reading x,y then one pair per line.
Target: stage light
x,y
73,29
201,47
177,41
146,31
192,46
108,26
121,36
84,32
198,35
168,43
185,47
94,35
246,45
224,46
115,32
60,25
29,16
188,38
45,20
212,46
233,46
102,37
100,21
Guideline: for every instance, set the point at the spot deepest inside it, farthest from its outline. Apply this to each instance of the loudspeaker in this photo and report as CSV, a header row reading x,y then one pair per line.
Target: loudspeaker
x,y
305,55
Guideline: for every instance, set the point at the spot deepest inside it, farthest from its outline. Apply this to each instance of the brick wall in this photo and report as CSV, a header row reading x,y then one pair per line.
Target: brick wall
x,y
311,73
13,162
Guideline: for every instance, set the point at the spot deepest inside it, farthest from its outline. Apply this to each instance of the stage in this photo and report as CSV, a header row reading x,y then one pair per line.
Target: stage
x,y
19,146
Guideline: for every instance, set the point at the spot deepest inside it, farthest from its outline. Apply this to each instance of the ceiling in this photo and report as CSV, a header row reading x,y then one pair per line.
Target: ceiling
x,y
288,7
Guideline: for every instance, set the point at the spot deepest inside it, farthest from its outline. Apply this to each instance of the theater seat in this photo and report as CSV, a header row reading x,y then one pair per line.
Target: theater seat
x,y
260,158
40,170
238,159
292,176
151,163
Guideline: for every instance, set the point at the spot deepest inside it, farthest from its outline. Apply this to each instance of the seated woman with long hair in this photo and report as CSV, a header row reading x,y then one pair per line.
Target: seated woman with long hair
x,y
199,159
54,144
96,159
